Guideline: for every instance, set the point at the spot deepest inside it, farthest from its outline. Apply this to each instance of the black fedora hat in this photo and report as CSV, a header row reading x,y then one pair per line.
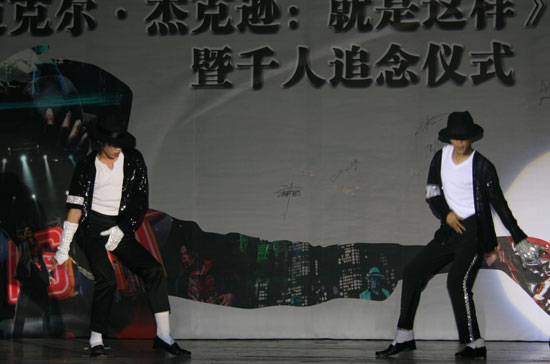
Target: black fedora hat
x,y
460,126
110,128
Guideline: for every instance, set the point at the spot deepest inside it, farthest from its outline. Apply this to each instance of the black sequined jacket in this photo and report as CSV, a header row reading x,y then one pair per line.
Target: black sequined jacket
x,y
487,193
135,190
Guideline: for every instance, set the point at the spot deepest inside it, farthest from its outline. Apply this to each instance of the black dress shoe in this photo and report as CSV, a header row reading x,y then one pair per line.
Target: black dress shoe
x,y
173,349
97,350
397,348
471,353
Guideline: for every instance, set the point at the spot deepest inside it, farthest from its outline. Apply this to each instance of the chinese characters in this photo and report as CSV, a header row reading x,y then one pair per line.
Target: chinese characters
x,y
351,67
32,16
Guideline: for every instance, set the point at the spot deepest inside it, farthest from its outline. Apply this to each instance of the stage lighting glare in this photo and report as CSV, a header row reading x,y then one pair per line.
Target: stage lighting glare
x,y
66,193
45,157
33,196
23,158
4,160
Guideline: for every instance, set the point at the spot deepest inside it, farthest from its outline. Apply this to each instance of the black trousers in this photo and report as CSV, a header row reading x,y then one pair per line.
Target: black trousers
x,y
130,253
462,251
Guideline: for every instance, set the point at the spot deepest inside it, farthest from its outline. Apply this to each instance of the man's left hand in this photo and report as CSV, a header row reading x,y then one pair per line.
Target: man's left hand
x,y
115,236
529,253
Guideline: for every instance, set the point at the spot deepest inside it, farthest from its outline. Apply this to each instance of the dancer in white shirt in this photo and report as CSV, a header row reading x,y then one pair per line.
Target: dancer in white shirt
x,y
107,202
462,187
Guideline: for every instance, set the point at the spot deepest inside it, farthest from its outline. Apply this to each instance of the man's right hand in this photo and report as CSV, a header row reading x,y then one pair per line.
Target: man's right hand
x,y
453,220
59,258
54,263
62,253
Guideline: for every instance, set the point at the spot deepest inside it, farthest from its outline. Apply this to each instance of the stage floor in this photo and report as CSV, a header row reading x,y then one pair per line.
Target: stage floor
x,y
260,351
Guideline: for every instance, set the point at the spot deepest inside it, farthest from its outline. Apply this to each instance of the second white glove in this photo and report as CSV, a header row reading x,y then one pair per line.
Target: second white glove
x,y
115,236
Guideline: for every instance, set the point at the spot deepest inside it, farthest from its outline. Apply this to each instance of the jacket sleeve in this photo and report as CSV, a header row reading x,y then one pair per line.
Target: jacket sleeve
x,y
137,197
497,200
434,190
75,198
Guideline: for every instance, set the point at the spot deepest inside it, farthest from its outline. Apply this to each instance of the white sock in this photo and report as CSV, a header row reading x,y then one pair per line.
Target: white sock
x,y
402,336
479,343
96,338
163,327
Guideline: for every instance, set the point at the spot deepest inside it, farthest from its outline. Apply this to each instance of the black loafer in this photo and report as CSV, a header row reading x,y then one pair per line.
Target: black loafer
x,y
397,348
470,353
97,350
173,349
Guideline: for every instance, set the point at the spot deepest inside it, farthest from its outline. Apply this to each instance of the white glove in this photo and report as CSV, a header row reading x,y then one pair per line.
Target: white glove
x,y
528,253
62,253
115,236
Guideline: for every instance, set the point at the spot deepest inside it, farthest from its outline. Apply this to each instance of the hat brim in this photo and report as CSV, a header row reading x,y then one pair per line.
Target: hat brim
x,y
475,132
124,140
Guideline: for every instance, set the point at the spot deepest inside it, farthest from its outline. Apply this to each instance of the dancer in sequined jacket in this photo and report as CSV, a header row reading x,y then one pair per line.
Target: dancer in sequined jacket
x,y
107,202
462,187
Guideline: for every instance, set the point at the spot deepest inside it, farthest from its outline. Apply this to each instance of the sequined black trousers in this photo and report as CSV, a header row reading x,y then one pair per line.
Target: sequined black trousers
x,y
462,252
130,253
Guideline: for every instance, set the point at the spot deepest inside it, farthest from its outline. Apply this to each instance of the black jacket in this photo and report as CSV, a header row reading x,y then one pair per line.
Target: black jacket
x,y
135,190
487,193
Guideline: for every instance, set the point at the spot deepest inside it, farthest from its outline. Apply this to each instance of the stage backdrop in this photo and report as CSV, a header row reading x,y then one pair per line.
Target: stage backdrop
x,y
288,144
